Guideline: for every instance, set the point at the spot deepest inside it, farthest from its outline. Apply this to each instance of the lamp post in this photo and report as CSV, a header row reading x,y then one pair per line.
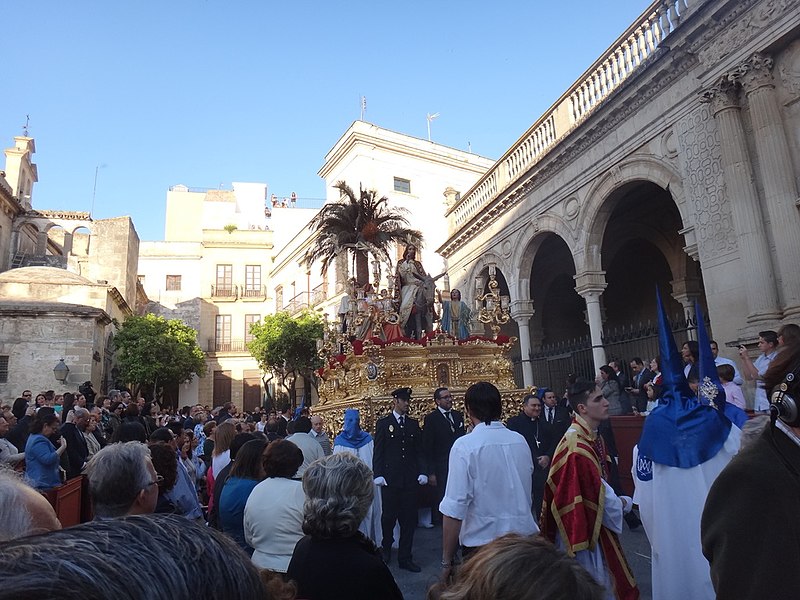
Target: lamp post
x,y
61,371
492,308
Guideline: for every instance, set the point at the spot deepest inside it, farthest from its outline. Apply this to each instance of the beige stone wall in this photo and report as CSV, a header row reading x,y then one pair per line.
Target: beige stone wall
x,y
114,255
35,336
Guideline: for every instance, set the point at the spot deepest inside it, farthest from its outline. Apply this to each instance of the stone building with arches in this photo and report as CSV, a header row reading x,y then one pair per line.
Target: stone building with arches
x,y
64,279
672,163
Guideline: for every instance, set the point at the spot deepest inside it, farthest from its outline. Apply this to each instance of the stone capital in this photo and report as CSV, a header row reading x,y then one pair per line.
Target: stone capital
x,y
686,291
724,94
522,310
754,73
590,283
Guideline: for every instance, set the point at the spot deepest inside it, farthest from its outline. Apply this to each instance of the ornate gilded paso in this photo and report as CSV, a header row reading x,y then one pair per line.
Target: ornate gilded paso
x,y
365,381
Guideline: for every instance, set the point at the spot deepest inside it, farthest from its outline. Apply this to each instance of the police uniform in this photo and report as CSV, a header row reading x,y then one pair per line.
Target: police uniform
x,y
398,459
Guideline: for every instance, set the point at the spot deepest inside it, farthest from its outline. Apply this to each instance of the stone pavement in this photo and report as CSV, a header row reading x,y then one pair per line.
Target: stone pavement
x,y
428,554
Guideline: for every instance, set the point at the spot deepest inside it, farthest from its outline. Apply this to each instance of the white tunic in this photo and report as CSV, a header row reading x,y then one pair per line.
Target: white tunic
x,y
671,504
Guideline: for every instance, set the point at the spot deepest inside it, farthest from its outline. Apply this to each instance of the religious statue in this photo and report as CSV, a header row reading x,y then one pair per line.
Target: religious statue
x,y
455,315
408,278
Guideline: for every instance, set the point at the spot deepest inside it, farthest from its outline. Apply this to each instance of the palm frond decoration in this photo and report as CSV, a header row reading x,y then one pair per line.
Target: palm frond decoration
x,y
361,225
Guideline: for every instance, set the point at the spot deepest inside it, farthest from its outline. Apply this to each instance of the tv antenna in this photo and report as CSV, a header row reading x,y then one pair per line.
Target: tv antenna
x,y
430,117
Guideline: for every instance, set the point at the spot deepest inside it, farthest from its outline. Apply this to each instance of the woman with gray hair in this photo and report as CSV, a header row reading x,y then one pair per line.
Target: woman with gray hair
x,y
335,559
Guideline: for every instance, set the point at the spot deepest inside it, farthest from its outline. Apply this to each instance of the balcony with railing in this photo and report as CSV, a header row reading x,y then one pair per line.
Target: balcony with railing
x,y
254,293
625,56
222,346
225,292
296,304
319,294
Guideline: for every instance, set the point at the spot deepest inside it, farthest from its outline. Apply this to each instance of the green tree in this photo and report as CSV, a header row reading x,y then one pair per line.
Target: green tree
x,y
286,347
153,351
360,225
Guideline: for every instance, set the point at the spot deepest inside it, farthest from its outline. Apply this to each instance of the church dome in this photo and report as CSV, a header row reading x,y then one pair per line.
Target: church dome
x,y
47,275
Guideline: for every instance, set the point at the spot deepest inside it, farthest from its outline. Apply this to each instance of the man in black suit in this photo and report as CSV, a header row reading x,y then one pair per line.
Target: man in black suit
x,y
77,451
283,420
399,468
637,391
442,427
556,418
530,425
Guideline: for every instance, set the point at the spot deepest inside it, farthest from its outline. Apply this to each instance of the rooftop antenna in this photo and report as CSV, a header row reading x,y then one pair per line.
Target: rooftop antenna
x,y
430,117
363,106
94,188
25,127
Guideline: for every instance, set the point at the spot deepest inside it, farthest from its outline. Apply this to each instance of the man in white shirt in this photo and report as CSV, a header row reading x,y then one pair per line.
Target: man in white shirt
x,y
488,490
319,434
307,444
754,370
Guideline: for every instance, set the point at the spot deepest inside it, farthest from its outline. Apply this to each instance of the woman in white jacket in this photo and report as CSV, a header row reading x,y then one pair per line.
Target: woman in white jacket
x,y
273,515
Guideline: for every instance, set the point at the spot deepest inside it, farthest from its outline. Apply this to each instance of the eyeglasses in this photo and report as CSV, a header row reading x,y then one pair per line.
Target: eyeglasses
x,y
27,395
157,481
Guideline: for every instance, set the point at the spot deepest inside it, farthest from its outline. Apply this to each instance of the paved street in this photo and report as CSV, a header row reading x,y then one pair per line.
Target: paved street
x,y
427,554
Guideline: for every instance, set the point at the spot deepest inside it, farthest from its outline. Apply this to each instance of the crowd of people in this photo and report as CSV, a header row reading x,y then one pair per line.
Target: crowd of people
x,y
268,504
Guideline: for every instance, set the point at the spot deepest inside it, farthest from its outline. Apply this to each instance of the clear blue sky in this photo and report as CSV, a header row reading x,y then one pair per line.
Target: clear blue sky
x,y
207,92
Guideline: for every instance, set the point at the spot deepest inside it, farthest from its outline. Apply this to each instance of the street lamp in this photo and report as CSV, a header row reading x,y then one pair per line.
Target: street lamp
x,y
61,371
492,308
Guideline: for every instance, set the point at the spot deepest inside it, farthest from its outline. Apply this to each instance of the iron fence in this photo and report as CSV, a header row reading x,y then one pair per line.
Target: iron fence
x,y
553,363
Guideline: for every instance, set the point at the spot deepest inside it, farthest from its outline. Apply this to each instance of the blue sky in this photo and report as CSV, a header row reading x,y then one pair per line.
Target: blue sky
x,y
207,92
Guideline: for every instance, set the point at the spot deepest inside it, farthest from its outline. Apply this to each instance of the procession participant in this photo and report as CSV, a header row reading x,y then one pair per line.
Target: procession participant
x,y
399,468
582,515
356,441
672,479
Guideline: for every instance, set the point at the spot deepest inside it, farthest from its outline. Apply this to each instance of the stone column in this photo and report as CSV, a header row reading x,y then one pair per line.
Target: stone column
x,y
521,312
757,270
687,292
41,243
591,285
777,175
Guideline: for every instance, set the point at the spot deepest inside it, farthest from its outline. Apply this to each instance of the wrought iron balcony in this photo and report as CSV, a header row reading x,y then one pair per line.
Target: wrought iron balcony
x,y
237,346
228,292
254,293
319,294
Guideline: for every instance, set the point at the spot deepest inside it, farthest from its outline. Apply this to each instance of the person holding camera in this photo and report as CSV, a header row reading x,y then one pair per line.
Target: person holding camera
x,y
754,370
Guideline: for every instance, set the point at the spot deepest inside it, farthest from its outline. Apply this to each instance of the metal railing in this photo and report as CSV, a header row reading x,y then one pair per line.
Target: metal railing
x,y
552,363
228,291
607,73
319,294
254,292
227,345
296,304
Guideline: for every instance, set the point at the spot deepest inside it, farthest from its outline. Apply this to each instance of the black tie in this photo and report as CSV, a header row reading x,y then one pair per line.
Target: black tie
x,y
550,414
450,418
402,421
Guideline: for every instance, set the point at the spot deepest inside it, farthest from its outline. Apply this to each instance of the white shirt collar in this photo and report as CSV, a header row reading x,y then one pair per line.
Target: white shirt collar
x,y
397,415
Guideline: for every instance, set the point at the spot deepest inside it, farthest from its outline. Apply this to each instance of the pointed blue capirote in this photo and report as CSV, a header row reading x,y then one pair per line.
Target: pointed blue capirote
x,y
709,379
681,431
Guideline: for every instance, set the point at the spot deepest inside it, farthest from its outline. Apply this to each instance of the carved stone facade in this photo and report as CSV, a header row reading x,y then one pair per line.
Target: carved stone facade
x,y
701,169
685,178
